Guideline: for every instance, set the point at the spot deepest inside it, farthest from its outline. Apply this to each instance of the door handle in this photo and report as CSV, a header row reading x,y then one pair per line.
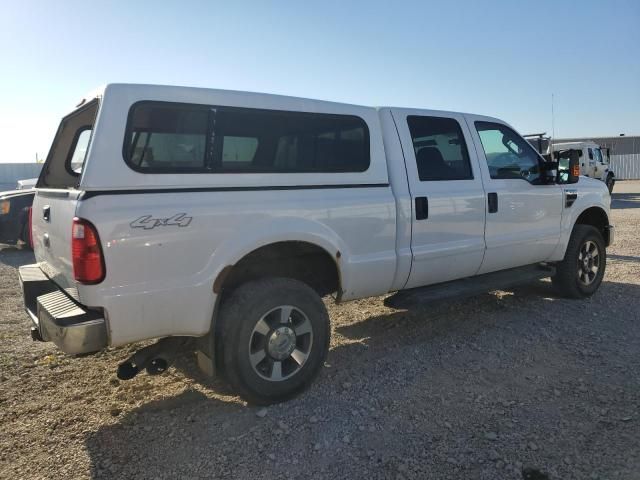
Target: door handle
x,y
46,213
422,208
493,202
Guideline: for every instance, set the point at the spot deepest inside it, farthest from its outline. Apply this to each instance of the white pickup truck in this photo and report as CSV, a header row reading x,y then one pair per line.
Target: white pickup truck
x,y
216,221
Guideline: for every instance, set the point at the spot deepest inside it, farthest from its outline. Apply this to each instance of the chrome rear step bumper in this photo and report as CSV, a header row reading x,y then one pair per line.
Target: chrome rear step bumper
x,y
57,318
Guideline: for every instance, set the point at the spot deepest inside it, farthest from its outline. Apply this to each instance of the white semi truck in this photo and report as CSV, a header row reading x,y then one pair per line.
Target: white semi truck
x,y
594,159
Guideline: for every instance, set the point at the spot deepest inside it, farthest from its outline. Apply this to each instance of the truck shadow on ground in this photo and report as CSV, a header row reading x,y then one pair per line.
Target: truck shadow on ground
x,y
624,258
16,256
193,428
625,200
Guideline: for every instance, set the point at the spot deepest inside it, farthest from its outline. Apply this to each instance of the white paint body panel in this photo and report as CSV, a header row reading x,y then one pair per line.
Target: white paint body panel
x,y
164,276
159,281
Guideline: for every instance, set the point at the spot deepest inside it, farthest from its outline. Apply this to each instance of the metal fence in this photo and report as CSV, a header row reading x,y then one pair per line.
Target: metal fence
x,y
626,167
10,173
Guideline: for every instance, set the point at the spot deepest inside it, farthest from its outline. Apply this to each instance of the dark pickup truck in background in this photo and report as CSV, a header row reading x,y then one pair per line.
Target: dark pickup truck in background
x,y
15,208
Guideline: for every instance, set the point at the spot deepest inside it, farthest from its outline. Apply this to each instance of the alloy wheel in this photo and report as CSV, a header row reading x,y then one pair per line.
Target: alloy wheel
x,y
588,263
280,343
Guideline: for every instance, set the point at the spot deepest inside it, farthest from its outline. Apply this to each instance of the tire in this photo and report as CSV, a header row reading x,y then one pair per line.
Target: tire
x,y
575,276
24,236
268,322
24,228
610,183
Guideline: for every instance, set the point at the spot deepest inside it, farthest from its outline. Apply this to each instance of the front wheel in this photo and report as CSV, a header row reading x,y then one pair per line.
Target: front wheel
x,y
610,182
273,339
580,273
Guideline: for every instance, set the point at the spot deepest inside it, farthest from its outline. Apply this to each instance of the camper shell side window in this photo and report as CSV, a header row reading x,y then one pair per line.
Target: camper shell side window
x,y
165,137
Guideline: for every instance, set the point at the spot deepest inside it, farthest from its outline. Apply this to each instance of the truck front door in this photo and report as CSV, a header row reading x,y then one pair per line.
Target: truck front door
x,y
448,213
523,213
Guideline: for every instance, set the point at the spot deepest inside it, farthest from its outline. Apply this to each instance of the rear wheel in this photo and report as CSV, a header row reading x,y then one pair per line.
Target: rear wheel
x,y
580,273
273,339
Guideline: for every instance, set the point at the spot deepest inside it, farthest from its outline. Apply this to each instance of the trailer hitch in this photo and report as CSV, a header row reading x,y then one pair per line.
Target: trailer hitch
x,y
155,358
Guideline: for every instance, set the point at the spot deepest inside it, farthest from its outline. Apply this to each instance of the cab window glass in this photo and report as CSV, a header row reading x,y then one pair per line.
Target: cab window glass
x,y
440,149
508,155
597,155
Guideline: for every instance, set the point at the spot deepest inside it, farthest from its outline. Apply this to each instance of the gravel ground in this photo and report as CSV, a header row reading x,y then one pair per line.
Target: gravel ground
x,y
478,388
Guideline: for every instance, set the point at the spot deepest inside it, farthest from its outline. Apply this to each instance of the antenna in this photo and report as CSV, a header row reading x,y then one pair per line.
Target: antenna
x,y
553,123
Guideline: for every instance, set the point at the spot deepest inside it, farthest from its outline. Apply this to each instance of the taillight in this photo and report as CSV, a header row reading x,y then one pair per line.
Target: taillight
x,y
86,252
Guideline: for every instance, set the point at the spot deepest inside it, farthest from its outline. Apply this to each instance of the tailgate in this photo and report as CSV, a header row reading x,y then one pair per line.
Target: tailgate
x,y
52,220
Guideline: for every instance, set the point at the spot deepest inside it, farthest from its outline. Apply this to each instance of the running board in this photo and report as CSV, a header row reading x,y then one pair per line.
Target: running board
x,y
469,286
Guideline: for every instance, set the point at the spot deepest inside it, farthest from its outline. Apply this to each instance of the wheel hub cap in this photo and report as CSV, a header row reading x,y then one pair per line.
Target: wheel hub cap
x,y
281,343
588,262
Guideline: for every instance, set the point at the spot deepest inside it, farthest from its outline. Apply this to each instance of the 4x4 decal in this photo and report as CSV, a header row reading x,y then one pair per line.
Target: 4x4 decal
x,y
148,222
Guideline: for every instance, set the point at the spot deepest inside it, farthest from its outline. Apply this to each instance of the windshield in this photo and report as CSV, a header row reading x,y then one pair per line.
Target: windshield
x,y
68,152
597,155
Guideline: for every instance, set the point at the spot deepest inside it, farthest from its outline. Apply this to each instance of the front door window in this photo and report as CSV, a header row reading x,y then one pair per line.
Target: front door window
x,y
508,155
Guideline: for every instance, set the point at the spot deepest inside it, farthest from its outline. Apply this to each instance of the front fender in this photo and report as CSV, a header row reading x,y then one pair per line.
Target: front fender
x,y
591,194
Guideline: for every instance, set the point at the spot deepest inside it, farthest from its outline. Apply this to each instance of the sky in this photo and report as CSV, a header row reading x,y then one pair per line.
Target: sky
x,y
503,58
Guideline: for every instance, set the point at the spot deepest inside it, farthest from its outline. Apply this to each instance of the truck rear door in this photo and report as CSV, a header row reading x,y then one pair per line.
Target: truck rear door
x,y
54,205
448,200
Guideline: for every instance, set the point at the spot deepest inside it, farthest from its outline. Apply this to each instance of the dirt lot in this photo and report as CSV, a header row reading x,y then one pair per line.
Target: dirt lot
x,y
473,389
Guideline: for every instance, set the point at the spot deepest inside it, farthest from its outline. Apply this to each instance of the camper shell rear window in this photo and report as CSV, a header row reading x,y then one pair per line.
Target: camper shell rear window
x,y
165,137
69,149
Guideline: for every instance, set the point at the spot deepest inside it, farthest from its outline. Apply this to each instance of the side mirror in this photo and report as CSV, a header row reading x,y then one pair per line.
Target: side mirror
x,y
568,166
574,167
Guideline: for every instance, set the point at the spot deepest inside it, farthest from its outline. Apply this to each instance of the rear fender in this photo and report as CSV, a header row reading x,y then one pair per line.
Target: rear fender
x,y
285,229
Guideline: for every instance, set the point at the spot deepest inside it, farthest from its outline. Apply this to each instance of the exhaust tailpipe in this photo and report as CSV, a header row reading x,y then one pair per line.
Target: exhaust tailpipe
x,y
156,358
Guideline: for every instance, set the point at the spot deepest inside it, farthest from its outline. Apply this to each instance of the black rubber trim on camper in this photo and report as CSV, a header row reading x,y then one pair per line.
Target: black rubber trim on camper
x,y
95,193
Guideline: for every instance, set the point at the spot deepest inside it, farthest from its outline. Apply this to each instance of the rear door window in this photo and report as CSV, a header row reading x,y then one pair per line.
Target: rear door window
x,y
440,149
